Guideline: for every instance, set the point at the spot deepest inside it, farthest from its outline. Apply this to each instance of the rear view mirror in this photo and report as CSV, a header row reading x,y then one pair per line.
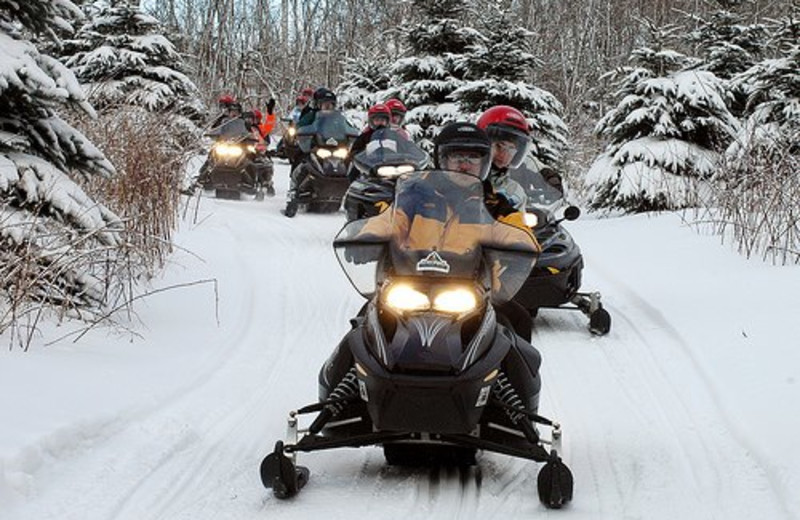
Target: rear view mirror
x,y
572,213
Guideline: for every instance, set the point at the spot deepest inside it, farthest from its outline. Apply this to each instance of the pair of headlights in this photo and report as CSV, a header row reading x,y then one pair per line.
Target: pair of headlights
x,y
403,297
390,172
325,153
232,150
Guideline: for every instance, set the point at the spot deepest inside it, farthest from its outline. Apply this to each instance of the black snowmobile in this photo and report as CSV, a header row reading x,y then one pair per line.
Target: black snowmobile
x,y
428,372
235,165
321,176
388,155
556,279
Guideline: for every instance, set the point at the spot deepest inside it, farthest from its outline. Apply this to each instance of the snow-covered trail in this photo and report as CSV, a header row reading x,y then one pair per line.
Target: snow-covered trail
x,y
646,433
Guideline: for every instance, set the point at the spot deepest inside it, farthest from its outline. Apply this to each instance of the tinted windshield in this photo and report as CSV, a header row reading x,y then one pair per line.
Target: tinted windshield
x,y
230,129
539,191
330,128
438,226
388,148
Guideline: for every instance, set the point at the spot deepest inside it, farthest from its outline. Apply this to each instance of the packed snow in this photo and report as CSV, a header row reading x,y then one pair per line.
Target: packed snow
x,y
686,409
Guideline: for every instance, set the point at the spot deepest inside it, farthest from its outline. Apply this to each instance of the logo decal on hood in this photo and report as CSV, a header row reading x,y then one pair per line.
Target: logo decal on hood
x,y
331,142
433,262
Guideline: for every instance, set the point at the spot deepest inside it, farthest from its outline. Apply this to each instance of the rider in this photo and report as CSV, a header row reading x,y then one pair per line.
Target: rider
x,y
466,148
266,124
324,99
378,116
300,103
398,116
510,135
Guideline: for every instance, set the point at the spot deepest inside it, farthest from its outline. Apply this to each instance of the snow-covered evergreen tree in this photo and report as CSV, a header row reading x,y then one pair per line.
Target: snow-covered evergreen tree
x,y
727,46
362,78
48,224
773,105
497,68
122,59
425,80
667,129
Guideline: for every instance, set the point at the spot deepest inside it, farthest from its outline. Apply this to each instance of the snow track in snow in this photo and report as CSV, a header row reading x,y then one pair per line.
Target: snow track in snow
x,y
646,432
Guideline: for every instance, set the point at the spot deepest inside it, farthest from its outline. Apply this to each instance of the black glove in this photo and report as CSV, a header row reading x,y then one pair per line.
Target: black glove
x,y
270,106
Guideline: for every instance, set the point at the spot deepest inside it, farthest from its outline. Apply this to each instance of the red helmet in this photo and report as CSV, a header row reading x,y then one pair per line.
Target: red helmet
x,y
301,100
307,92
258,115
377,113
397,107
507,124
226,100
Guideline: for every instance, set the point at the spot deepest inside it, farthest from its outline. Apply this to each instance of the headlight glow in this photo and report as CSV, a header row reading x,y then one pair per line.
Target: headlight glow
x,y
323,153
228,150
340,153
456,301
388,171
391,172
292,131
531,220
402,297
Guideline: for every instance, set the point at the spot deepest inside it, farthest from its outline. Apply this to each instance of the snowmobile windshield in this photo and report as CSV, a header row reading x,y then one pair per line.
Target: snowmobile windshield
x,y
232,129
437,228
541,194
329,129
389,155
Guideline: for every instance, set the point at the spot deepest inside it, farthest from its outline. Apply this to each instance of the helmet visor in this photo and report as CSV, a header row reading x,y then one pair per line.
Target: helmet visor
x,y
509,146
471,160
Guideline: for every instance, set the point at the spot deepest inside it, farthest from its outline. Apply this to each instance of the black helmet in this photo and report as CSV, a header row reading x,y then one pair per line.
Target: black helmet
x,y
323,94
463,137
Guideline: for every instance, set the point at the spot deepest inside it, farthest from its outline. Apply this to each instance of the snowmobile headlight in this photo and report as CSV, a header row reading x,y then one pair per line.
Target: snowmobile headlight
x,y
340,153
456,301
323,153
402,297
292,131
228,150
251,148
531,220
390,172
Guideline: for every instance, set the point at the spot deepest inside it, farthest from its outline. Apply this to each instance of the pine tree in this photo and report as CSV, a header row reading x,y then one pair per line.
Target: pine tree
x,y
50,230
496,69
425,80
773,105
727,46
667,129
362,79
122,59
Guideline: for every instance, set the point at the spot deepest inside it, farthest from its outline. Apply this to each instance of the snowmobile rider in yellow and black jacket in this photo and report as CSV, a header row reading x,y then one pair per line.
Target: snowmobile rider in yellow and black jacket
x,y
466,148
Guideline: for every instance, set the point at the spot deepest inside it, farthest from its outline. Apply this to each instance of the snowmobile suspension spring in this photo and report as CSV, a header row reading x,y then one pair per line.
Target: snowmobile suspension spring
x,y
346,390
505,393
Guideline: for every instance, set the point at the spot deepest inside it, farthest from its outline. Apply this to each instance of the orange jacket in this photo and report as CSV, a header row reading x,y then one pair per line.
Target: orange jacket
x,y
266,127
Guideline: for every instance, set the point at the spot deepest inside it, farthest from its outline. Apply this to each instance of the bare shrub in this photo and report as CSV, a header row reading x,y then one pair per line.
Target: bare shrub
x,y
145,193
755,203
48,269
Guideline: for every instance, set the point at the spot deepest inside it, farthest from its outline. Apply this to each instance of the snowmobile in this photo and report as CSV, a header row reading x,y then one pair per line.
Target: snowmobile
x,y
321,176
427,371
235,165
556,279
387,156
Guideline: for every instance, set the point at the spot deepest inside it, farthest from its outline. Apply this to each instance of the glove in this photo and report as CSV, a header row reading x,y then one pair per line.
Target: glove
x,y
270,106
